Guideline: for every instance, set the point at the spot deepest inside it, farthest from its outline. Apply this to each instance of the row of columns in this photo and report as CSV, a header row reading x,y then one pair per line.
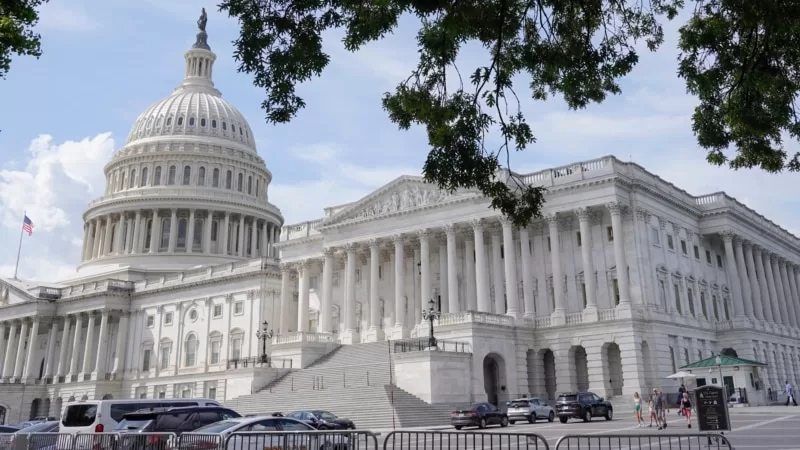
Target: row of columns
x,y
506,294
764,285
129,233
68,364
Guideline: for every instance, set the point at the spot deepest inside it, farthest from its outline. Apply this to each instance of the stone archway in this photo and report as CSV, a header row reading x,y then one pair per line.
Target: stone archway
x,y
548,359
34,409
580,366
612,368
494,378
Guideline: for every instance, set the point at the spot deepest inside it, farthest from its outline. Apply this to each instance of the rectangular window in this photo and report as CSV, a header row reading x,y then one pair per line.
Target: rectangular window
x,y
146,360
708,256
212,393
217,311
703,304
215,347
678,299
610,234
690,297
656,235
583,294
697,253
616,292
578,238
670,242
683,247
162,394
164,357
236,348
715,306
151,321
502,252
663,288
719,261
142,394
549,248
238,308
168,318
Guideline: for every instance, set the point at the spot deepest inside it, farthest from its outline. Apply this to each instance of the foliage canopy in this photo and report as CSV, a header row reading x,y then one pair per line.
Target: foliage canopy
x,y
739,57
17,19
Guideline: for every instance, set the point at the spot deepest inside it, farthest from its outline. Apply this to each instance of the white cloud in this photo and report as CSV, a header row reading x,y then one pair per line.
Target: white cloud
x,y
57,16
53,188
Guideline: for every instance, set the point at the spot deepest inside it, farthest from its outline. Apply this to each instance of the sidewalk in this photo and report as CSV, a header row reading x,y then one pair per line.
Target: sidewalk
x,y
774,409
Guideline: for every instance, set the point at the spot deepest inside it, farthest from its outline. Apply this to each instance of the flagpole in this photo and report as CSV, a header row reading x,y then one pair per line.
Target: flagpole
x,y
19,249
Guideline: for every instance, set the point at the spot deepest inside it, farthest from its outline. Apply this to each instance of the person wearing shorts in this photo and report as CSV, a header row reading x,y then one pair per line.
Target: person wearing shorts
x,y
686,409
651,411
658,402
637,409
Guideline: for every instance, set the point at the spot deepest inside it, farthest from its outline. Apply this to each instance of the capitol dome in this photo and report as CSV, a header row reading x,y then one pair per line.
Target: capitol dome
x,y
188,188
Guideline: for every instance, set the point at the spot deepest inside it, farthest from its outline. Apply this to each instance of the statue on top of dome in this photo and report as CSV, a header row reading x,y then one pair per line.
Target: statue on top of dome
x,y
201,22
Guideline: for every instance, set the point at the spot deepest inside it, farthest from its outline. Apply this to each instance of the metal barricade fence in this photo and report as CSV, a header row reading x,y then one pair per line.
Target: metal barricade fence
x,y
6,441
95,441
644,442
456,440
199,441
306,440
147,441
50,441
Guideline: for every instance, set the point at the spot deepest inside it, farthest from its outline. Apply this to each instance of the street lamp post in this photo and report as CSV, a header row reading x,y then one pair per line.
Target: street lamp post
x,y
430,315
264,334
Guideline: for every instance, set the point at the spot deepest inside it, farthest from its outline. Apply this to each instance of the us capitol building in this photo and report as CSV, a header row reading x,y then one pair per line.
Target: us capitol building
x,y
626,279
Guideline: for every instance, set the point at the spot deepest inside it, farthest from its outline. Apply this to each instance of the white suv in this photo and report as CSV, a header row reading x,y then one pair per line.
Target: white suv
x,y
530,409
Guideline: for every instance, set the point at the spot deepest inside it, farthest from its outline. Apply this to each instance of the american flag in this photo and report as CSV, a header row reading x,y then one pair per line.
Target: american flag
x,y
27,225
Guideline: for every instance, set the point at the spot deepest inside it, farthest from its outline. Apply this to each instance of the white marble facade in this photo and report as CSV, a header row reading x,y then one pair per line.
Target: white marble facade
x,y
624,279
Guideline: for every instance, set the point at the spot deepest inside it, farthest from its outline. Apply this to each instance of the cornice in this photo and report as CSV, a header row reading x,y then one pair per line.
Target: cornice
x,y
273,274
168,156
299,241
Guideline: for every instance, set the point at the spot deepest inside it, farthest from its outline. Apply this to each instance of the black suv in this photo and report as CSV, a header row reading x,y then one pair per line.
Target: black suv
x,y
582,405
169,420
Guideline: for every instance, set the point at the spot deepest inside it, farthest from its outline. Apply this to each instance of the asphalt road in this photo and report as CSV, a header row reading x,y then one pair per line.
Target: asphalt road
x,y
763,431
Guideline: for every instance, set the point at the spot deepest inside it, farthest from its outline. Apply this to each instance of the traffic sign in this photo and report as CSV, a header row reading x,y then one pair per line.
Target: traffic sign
x,y
712,409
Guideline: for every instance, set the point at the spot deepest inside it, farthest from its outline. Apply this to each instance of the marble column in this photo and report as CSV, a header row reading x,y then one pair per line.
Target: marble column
x,y
776,273
64,350
747,297
102,346
76,342
453,302
89,251
470,302
2,344
122,338
173,230
86,228
773,291
326,313
50,352
425,268
399,282
264,239
350,295
88,367
8,363
98,238
302,304
755,288
766,302
254,238
510,263
787,289
129,233
23,336
207,226
31,368
732,273
796,275
555,261
584,219
443,281
527,273
241,251
138,232
119,236
107,237
155,233
498,282
615,208
190,233
481,268
286,297
224,238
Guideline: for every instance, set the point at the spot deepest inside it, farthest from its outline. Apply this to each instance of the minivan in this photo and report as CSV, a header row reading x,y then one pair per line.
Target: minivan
x,y
98,416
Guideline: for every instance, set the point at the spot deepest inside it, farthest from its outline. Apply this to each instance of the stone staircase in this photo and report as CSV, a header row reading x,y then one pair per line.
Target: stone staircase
x,y
353,381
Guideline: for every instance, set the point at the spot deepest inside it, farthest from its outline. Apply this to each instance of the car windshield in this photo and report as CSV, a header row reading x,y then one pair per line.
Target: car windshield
x,y
133,423
44,427
217,427
325,415
567,398
519,404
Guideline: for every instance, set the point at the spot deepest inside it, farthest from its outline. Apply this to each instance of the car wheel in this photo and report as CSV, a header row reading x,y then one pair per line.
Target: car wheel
x,y
532,418
551,417
587,416
322,427
562,419
482,425
458,427
504,422
609,414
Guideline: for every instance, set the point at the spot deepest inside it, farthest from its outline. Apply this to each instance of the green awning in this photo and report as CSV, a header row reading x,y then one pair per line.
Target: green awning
x,y
725,361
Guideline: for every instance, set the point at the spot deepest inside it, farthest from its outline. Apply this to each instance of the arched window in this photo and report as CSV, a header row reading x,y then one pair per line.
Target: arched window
x,y
191,121
215,178
169,121
122,182
180,121
187,175
131,179
165,225
257,192
203,122
143,178
171,176
157,176
213,123
224,126
228,179
197,240
191,351
249,185
181,234
201,176
240,182
148,232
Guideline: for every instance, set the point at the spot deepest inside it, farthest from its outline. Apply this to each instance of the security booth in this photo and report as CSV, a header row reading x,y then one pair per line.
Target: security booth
x,y
741,378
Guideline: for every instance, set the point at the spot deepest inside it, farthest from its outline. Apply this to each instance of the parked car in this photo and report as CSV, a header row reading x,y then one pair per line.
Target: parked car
x,y
322,420
582,405
250,433
529,409
478,415
8,429
97,416
43,435
162,421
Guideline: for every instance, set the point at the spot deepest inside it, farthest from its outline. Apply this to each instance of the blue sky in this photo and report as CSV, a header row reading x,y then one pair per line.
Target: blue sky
x,y
105,62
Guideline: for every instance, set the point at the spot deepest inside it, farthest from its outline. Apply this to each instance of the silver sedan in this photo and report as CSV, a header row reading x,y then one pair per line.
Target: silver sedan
x,y
262,433
530,409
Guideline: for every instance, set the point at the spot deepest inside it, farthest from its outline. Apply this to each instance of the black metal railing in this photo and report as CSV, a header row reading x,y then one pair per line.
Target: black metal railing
x,y
258,361
423,344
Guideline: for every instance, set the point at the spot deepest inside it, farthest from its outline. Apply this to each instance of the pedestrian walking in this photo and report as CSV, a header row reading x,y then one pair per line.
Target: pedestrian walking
x,y
686,408
651,411
790,394
637,409
658,402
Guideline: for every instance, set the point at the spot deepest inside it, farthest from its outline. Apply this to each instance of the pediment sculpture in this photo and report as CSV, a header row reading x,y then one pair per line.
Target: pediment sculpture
x,y
406,198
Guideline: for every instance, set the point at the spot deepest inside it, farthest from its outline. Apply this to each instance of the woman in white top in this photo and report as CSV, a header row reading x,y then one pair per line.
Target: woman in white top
x,y
637,409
